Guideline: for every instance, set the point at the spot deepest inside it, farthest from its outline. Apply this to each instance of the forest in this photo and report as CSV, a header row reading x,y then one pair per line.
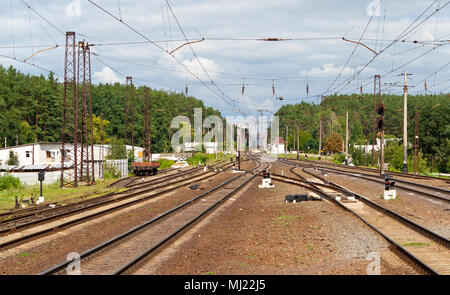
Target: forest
x,y
31,110
433,125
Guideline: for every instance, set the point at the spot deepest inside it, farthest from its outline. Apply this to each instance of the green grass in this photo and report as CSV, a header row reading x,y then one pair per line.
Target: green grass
x,y
283,219
53,193
417,245
164,164
206,158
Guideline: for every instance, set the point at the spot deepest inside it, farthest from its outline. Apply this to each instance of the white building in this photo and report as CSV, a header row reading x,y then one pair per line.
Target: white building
x,y
47,156
376,147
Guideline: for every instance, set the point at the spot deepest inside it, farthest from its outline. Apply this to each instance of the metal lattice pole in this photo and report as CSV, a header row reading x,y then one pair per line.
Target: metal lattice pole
x,y
69,93
89,81
147,126
82,83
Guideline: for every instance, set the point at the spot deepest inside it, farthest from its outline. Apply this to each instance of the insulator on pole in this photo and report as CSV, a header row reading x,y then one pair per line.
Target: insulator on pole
x,y
187,89
426,86
273,88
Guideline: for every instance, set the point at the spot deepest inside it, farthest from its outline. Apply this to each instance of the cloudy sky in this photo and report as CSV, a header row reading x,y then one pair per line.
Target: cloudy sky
x,y
231,53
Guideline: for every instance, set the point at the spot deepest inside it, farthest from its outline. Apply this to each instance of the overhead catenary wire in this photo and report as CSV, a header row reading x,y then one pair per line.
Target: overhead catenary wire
x,y
161,48
403,34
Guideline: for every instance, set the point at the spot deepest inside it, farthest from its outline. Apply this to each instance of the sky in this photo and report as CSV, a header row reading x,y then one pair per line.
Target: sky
x,y
229,53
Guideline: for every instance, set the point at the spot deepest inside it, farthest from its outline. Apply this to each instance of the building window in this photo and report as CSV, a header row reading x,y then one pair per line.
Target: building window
x,y
27,154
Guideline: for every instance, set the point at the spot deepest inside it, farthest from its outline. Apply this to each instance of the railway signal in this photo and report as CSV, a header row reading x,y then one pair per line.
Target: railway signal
x,y
389,188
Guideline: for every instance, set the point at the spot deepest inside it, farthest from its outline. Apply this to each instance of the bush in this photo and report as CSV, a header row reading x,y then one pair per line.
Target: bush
x,y
199,158
357,156
8,181
164,163
111,172
13,160
338,158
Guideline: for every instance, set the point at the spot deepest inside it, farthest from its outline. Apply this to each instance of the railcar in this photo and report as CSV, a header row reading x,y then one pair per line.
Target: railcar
x,y
145,168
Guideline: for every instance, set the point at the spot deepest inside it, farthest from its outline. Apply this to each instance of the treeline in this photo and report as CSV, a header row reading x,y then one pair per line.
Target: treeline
x,y
31,110
433,122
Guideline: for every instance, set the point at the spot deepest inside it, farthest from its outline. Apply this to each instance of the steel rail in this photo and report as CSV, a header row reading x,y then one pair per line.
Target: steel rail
x,y
416,260
93,215
97,248
408,175
91,203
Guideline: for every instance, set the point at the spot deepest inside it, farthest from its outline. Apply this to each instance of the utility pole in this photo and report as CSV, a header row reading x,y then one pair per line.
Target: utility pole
x,y
129,110
147,142
380,120
298,142
373,123
239,147
416,144
405,123
287,141
346,138
320,139
320,132
70,93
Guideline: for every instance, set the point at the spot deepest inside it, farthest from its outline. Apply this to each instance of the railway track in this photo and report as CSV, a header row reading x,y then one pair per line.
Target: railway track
x,y
129,252
431,192
62,219
373,170
15,219
421,246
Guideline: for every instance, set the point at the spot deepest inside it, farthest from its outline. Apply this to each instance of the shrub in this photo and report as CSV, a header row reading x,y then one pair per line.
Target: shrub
x,y
8,181
111,172
164,163
338,158
13,160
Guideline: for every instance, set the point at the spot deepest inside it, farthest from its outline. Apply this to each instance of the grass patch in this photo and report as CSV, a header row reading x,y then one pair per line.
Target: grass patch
x,y
164,163
417,245
53,193
310,247
209,273
283,219
23,255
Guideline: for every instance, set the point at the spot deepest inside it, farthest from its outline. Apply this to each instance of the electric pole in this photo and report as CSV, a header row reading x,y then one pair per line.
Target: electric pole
x,y
416,144
287,141
320,132
298,142
380,120
346,138
320,139
405,123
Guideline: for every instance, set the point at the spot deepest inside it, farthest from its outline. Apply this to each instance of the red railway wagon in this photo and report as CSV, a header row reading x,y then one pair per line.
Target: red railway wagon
x,y
145,168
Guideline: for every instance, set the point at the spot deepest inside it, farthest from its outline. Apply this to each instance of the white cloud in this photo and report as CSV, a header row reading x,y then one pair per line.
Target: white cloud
x,y
106,75
327,70
193,65
330,70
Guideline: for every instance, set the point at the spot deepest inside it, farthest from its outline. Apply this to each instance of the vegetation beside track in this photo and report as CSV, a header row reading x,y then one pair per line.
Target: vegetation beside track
x,y
53,193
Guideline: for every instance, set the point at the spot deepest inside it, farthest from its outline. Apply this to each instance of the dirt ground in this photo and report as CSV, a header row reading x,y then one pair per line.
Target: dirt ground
x,y
260,234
